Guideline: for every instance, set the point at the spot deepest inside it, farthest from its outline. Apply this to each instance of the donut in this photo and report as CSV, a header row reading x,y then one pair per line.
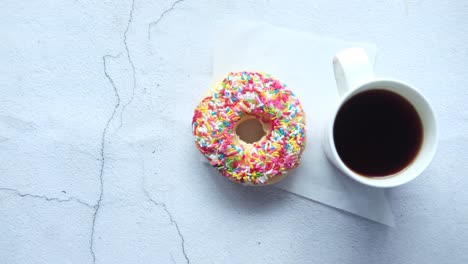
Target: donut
x,y
222,120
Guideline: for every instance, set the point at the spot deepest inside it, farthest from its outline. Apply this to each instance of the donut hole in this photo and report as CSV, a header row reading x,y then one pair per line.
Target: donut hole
x,y
250,130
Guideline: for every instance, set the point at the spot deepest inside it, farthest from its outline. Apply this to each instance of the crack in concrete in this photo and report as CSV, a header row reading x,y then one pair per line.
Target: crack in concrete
x,y
172,258
172,220
130,60
102,152
48,199
104,132
154,23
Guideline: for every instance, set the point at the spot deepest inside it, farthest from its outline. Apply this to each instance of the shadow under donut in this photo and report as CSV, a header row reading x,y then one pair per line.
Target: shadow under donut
x,y
252,199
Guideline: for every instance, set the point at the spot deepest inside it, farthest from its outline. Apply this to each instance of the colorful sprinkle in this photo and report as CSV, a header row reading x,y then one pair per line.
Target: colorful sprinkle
x,y
243,94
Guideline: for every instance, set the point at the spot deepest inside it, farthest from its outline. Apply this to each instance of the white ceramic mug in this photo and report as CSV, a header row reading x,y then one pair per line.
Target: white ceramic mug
x,y
354,74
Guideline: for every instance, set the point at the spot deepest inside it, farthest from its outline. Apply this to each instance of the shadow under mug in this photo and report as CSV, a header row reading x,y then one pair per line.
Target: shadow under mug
x,y
354,75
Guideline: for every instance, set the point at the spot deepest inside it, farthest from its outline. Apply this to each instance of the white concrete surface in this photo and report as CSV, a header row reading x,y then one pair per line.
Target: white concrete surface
x,y
94,169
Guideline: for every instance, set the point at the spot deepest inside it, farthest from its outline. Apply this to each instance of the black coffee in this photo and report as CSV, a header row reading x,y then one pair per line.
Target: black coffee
x,y
377,133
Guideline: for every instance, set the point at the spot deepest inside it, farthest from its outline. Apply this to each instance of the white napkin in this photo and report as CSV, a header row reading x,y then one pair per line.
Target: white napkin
x,y
304,62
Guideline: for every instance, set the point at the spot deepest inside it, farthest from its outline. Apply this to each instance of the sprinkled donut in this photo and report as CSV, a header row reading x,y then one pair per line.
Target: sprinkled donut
x,y
240,98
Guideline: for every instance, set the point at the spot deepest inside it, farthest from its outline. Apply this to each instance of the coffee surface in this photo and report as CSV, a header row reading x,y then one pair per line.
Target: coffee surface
x,y
377,133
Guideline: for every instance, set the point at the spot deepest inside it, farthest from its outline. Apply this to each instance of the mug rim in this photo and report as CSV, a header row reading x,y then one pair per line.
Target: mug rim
x,y
389,180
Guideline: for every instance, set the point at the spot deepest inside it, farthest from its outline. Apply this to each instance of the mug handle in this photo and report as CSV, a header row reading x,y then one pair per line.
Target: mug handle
x,y
352,68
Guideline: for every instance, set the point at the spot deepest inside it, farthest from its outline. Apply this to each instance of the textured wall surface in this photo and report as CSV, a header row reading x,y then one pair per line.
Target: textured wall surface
x,y
94,168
